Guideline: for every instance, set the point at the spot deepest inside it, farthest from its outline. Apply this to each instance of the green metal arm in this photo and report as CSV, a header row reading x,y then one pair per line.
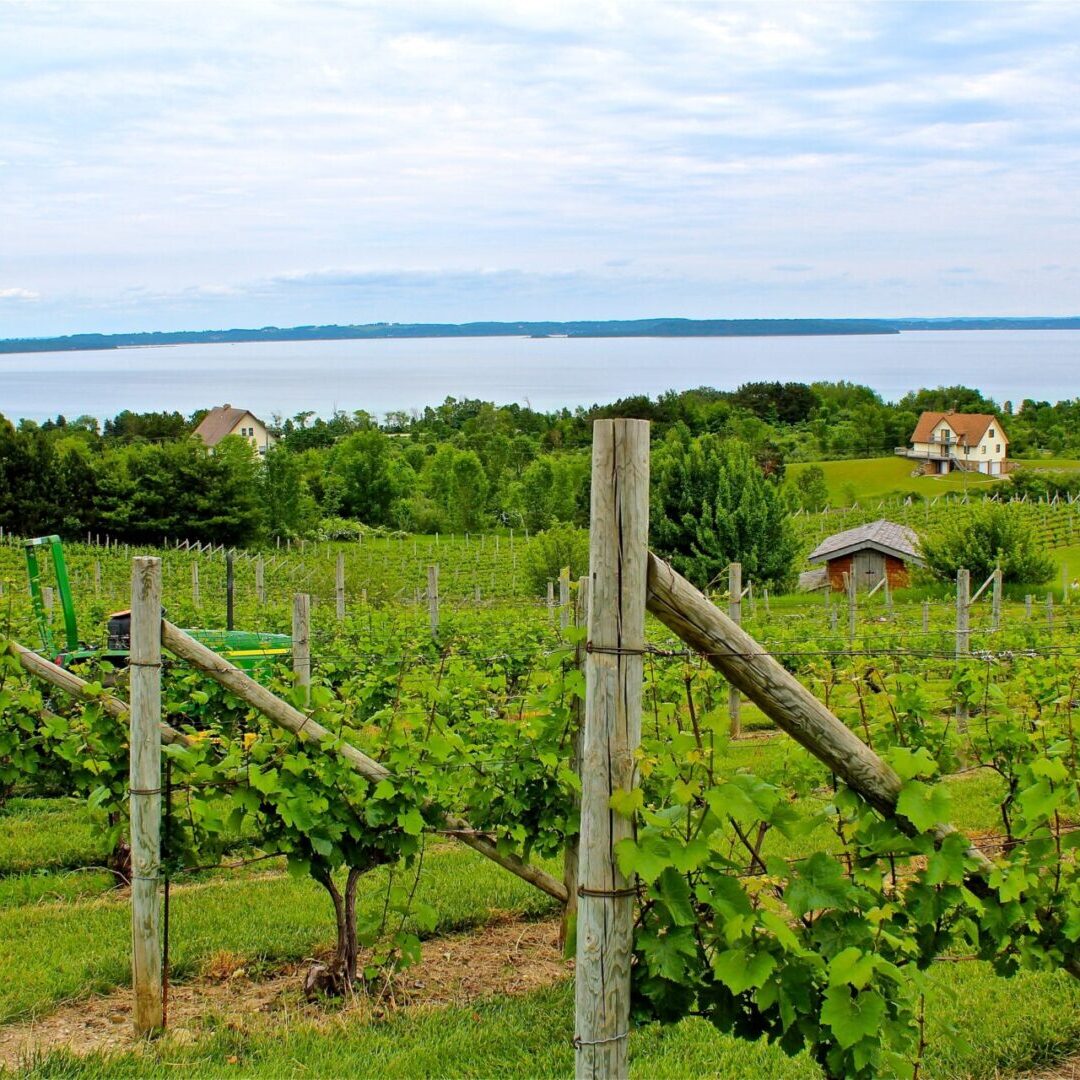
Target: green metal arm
x,y
63,587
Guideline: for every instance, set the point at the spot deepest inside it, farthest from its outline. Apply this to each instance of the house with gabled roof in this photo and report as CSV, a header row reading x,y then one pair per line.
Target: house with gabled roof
x,y
946,441
869,553
224,420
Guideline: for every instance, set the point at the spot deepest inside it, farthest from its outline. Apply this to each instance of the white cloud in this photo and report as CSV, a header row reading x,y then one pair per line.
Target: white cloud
x,y
18,294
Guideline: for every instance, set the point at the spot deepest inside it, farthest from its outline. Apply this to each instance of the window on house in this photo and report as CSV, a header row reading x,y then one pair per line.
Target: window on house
x,y
984,449
997,449
991,433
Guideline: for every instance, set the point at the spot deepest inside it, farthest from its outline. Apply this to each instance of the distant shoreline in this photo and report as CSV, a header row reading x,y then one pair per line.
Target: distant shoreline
x,y
642,328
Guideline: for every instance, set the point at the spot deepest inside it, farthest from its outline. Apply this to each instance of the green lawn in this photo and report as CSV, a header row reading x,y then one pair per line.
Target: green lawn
x,y
860,479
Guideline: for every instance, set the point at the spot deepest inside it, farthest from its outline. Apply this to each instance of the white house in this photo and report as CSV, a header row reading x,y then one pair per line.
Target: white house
x,y
225,420
972,442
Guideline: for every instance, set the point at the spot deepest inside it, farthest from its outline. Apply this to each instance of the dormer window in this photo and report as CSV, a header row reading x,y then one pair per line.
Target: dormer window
x,y
991,433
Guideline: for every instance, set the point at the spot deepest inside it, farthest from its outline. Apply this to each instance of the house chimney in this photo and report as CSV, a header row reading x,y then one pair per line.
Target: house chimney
x,y
226,406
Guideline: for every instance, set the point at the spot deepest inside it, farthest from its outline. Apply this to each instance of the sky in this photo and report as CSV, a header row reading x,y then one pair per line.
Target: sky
x,y
200,165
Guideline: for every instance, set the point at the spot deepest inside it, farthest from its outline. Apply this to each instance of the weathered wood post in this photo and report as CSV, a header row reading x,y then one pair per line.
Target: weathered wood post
x,y
572,853
195,584
734,585
963,632
260,580
851,585
145,792
230,587
97,577
339,587
618,567
926,616
564,599
301,641
1050,613
551,602
433,599
1029,602
47,598
995,601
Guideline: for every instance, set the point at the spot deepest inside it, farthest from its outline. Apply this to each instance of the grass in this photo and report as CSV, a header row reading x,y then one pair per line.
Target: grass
x,y
860,479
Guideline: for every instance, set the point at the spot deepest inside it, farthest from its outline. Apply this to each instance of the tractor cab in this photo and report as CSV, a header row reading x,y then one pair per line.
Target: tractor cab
x,y
247,649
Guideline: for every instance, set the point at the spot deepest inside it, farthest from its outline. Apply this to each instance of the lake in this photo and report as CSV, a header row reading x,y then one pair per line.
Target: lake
x,y
286,377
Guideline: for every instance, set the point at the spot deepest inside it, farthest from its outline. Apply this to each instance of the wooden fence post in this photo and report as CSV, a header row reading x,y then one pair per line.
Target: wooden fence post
x,y
571,852
145,792
195,584
734,579
301,641
618,568
1028,604
564,598
97,577
851,585
551,602
339,586
260,581
433,599
963,632
995,601
230,587
926,616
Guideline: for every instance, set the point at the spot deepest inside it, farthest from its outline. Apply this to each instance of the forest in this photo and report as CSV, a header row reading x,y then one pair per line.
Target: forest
x,y
462,466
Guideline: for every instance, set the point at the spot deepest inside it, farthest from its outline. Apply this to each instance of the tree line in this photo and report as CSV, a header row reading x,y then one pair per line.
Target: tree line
x,y
462,466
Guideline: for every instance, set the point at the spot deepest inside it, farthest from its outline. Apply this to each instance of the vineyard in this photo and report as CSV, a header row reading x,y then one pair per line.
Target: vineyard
x,y
789,918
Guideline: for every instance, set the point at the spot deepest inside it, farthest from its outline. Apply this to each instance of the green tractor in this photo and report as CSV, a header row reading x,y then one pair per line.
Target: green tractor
x,y
246,649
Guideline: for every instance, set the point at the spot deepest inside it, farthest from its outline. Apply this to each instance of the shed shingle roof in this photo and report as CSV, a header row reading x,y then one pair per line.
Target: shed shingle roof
x,y
969,427
881,535
218,422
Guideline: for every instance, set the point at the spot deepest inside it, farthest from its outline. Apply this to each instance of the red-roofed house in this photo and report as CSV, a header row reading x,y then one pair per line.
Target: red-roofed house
x,y
225,420
973,442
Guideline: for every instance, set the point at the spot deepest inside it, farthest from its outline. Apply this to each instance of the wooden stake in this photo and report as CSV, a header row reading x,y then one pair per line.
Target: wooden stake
x,y
735,615
145,792
564,598
195,584
339,587
433,599
301,641
618,558
995,600
260,580
926,616
571,853
963,633
230,588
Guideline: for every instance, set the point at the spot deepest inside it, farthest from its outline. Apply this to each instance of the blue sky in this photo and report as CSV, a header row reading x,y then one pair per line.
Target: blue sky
x,y
186,165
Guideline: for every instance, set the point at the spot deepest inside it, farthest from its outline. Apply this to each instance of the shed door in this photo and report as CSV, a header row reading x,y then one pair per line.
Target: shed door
x,y
869,567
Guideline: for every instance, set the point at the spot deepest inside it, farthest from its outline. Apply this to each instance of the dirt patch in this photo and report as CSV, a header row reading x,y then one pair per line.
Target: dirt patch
x,y
508,956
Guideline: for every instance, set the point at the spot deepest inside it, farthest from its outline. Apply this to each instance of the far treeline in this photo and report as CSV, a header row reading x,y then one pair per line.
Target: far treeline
x,y
462,466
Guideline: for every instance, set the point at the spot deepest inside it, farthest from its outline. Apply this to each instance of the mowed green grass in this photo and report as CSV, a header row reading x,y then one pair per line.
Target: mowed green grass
x,y
66,941
875,478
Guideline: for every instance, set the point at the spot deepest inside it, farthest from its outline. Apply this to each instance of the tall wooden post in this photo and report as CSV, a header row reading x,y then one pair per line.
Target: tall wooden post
x,y
618,567
339,586
230,587
571,853
433,599
735,614
1050,613
260,580
195,584
564,598
963,632
145,792
995,601
301,641
926,616
551,602
852,605
1029,602
97,577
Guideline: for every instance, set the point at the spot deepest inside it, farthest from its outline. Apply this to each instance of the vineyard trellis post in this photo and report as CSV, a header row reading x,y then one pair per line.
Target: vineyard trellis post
x,y
339,587
145,792
433,599
230,588
995,600
301,640
260,580
564,599
963,632
618,567
571,852
735,615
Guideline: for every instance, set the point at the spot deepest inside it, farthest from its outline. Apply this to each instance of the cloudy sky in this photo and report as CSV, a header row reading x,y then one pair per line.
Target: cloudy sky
x,y
187,165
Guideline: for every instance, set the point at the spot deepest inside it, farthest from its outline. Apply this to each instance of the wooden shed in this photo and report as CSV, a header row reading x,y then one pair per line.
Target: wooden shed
x,y
869,552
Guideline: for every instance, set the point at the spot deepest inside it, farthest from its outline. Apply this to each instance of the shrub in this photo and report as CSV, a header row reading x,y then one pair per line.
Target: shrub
x,y
990,535
551,550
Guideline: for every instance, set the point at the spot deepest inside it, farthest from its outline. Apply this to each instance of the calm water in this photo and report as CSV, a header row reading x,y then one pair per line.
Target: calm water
x,y
289,377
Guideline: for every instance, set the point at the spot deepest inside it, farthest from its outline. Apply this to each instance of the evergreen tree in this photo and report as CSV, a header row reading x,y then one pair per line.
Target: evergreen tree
x,y
711,506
